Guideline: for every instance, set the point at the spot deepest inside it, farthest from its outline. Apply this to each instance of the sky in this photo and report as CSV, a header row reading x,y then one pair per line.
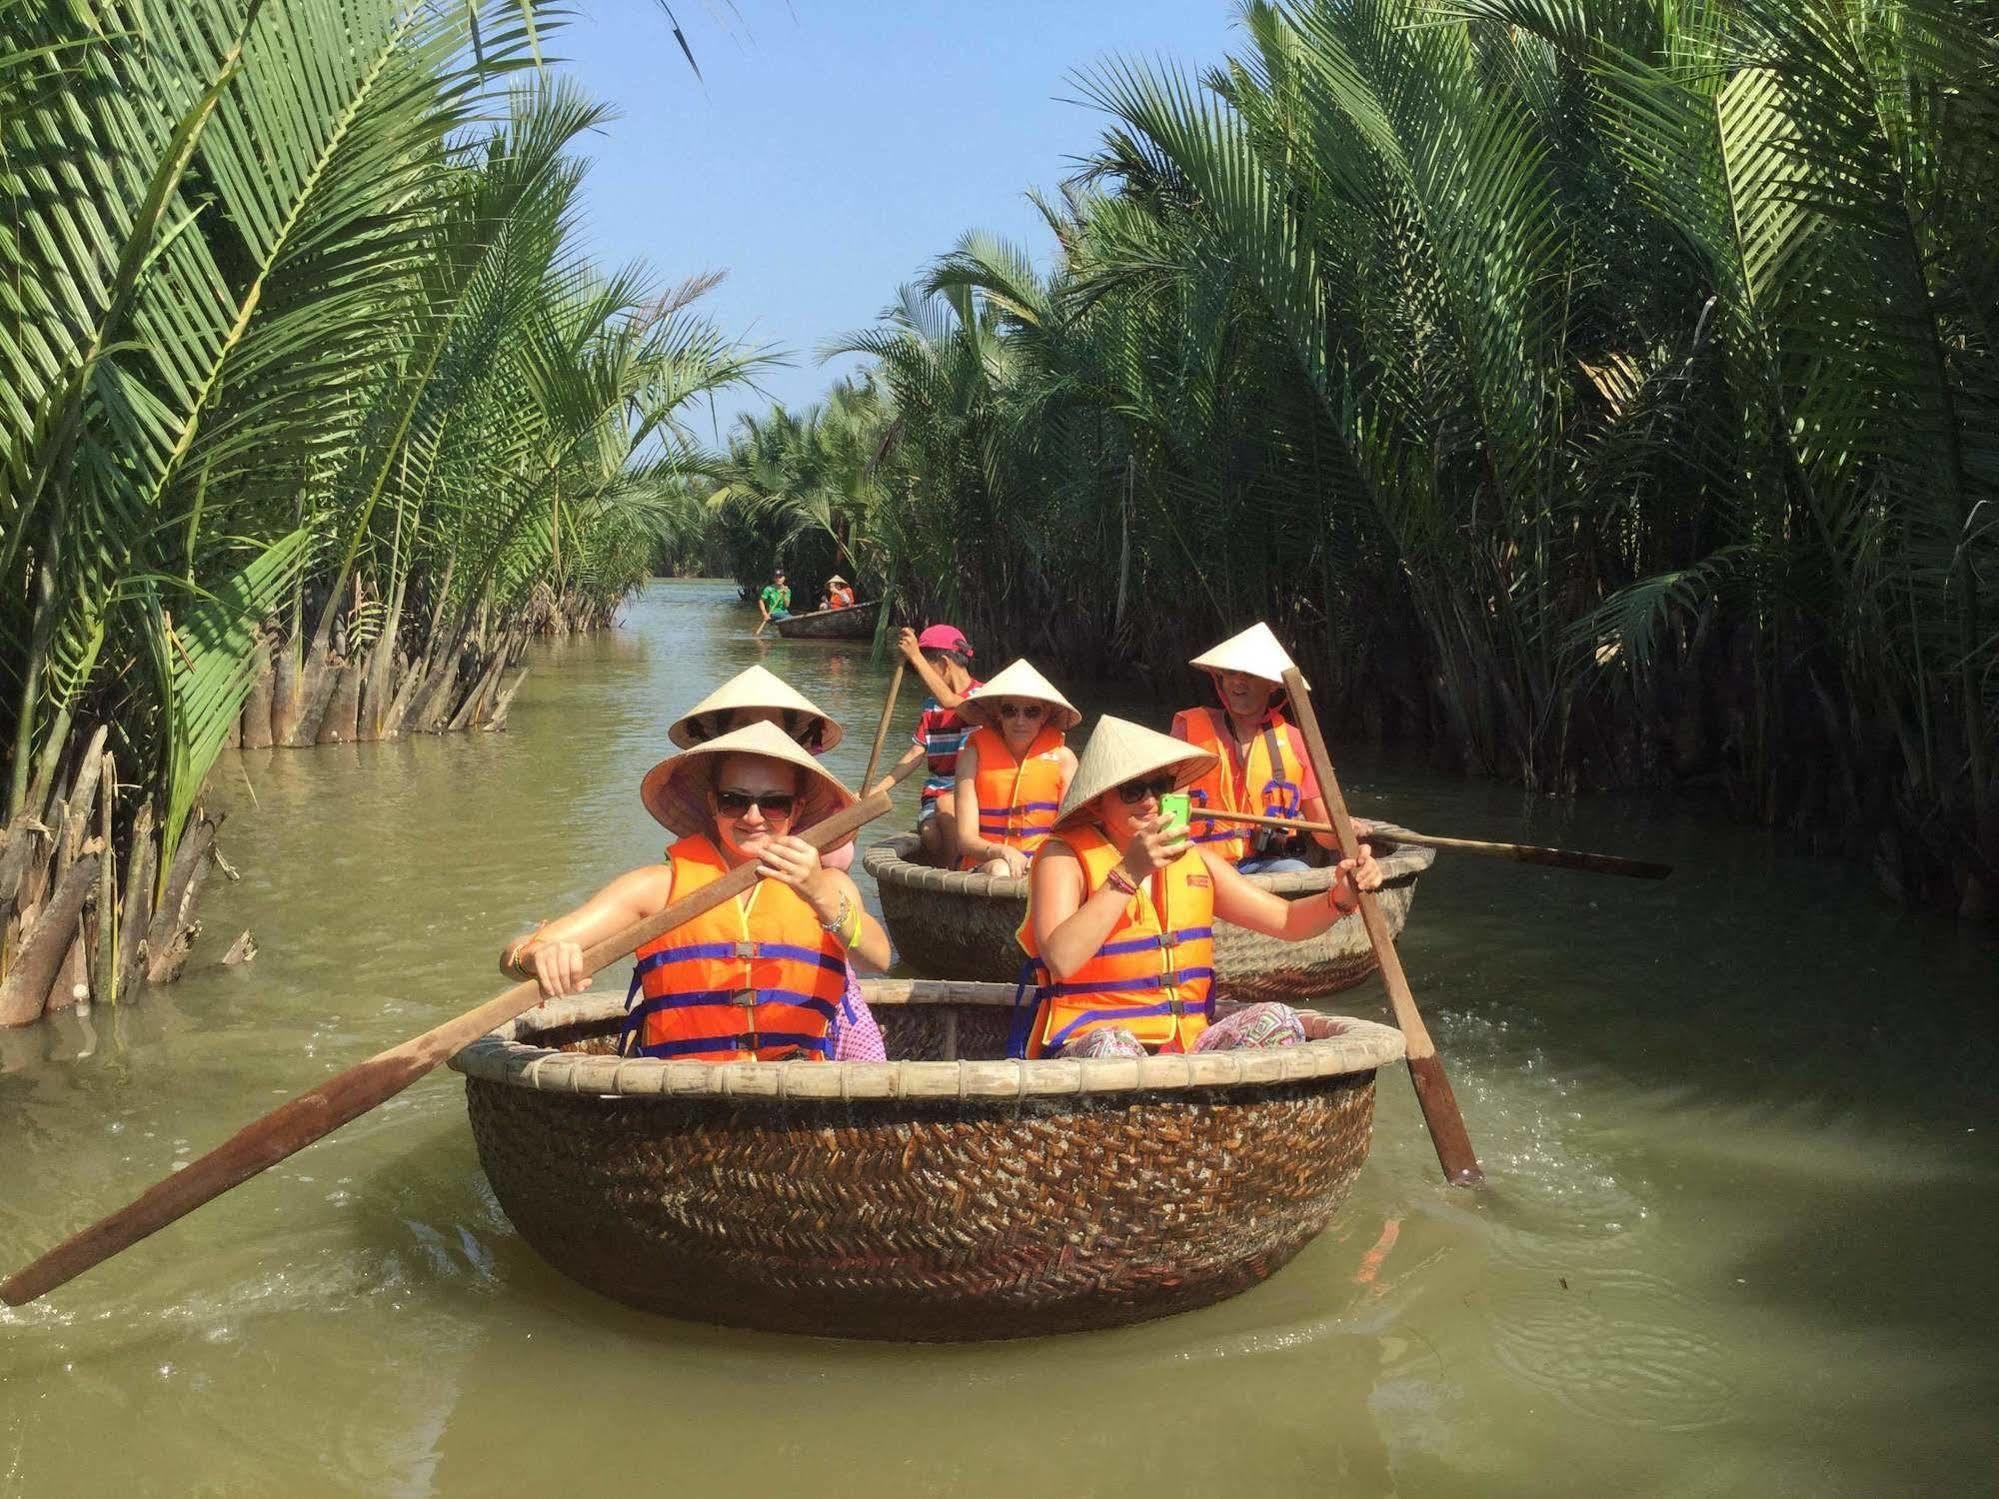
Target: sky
x,y
833,148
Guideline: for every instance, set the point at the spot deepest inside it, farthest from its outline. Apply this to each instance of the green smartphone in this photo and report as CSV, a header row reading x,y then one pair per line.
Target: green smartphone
x,y
1175,808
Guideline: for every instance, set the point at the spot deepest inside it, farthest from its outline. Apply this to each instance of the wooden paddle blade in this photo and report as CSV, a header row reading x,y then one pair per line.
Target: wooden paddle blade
x,y
1447,1122
319,1111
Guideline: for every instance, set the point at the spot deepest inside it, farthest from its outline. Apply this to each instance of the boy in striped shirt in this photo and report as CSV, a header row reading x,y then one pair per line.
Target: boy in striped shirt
x,y
943,658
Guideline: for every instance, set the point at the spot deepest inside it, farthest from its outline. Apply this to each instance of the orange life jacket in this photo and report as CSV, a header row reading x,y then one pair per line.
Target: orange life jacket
x,y
735,985
1269,786
1154,972
1018,799
843,598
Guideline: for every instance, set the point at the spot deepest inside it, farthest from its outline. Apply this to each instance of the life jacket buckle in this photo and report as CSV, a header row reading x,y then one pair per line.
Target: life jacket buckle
x,y
746,949
747,998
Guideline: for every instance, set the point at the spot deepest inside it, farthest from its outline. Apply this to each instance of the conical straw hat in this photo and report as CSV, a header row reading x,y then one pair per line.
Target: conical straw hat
x,y
1255,651
675,791
1120,751
1019,680
752,691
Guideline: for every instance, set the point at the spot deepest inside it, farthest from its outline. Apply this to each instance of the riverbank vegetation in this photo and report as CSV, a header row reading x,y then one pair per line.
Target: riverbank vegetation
x,y
1602,394
314,412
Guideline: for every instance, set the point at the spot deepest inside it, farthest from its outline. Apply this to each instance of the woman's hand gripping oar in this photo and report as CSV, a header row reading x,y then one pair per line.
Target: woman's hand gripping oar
x,y
1426,1068
321,1110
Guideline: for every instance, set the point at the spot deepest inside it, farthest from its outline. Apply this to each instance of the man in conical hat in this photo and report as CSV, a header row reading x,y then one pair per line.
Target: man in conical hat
x,y
1012,772
1260,762
760,977
1121,909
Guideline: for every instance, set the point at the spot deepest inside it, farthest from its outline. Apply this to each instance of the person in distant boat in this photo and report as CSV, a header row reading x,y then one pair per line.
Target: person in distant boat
x,y
774,601
942,656
759,978
839,594
1121,909
1013,770
1260,762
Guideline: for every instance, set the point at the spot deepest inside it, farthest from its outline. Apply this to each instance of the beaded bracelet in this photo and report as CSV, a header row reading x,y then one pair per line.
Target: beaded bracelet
x,y
521,947
1118,880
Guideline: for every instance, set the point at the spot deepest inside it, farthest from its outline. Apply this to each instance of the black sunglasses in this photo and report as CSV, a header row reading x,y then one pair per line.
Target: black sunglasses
x,y
1022,710
737,803
1131,793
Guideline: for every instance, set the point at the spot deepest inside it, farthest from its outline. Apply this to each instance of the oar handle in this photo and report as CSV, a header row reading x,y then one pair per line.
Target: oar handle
x,y
319,1111
1426,1068
1519,853
881,729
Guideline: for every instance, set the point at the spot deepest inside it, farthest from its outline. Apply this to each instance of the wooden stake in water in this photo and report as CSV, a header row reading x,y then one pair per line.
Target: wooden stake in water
x,y
1426,1068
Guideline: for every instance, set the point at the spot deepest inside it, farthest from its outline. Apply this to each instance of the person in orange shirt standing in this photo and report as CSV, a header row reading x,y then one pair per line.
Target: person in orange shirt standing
x,y
1260,762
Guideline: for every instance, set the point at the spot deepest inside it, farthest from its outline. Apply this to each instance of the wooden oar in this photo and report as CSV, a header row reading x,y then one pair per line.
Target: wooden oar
x,y
881,729
1519,853
1426,1068
321,1110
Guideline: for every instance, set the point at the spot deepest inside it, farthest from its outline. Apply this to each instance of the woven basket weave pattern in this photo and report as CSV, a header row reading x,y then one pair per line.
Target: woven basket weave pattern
x,y
918,1221
918,1218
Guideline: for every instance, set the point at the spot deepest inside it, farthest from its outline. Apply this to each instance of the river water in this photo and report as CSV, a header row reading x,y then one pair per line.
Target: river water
x,y
1738,1239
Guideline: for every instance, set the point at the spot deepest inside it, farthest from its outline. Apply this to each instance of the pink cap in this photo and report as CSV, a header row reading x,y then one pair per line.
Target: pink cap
x,y
945,638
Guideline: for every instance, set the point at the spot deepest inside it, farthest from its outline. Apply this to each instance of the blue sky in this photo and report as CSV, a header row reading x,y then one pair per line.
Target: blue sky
x,y
836,147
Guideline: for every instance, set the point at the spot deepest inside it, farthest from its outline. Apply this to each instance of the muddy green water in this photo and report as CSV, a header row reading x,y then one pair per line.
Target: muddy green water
x,y
1739,1237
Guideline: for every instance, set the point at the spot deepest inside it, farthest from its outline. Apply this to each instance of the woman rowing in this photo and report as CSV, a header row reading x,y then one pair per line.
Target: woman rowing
x,y
1260,762
761,977
1121,908
755,695
1013,770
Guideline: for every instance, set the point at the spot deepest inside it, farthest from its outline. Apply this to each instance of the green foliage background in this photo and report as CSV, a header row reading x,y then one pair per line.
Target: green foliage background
x,y
1600,391
299,355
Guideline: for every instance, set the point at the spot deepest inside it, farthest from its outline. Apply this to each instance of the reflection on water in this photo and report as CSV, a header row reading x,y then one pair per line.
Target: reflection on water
x,y
1737,1126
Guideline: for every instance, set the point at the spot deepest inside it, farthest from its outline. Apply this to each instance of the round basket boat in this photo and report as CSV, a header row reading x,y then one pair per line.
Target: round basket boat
x,y
946,1197
951,925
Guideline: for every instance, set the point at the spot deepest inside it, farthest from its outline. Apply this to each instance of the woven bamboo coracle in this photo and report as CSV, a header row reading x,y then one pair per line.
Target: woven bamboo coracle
x,y
939,1200
951,925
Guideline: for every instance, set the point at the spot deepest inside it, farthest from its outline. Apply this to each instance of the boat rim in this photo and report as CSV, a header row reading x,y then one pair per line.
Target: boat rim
x,y
1363,1046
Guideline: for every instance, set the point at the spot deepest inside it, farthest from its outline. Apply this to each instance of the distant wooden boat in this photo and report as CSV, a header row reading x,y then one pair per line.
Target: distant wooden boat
x,y
950,1194
947,924
856,623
